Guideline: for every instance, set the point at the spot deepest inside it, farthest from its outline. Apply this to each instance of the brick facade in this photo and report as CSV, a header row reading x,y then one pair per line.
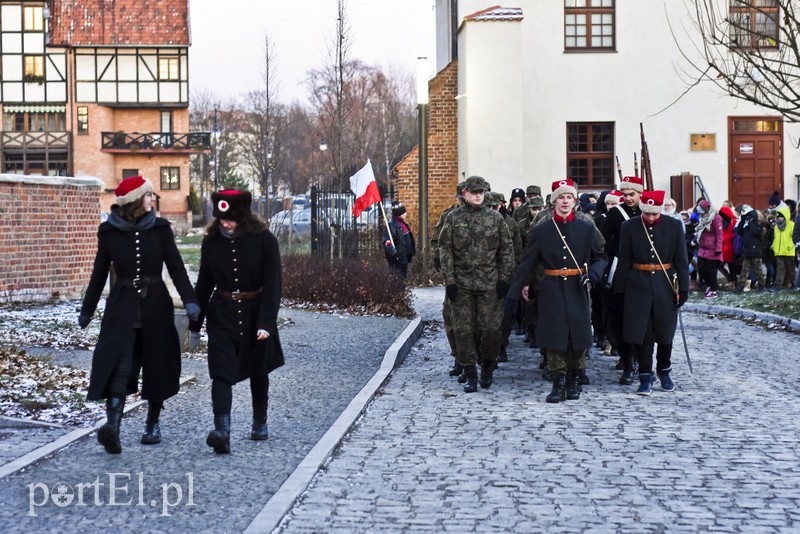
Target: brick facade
x,y
48,236
442,153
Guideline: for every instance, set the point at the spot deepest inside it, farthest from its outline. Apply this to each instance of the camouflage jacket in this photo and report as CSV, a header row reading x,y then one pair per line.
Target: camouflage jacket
x,y
516,237
435,238
475,248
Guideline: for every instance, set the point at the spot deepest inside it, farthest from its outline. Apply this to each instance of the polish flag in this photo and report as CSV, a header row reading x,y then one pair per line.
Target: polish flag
x,y
365,188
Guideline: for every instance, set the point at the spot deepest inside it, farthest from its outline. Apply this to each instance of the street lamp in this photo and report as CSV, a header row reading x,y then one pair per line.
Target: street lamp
x,y
216,142
422,115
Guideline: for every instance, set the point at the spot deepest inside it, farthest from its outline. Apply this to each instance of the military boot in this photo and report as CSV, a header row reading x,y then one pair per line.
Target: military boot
x,y
487,375
456,370
152,430
260,431
108,434
559,392
573,385
627,370
503,354
471,379
220,437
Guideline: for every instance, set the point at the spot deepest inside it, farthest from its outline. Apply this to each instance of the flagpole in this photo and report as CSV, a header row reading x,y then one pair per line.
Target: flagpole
x,y
386,222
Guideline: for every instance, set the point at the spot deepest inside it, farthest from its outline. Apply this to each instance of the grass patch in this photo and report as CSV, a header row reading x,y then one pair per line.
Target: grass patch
x,y
784,303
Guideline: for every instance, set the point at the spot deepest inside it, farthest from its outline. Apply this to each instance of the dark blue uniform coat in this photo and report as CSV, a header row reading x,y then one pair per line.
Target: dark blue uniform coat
x,y
564,313
649,293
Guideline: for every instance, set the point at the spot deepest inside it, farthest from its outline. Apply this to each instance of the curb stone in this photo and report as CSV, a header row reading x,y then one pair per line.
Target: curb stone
x,y
282,501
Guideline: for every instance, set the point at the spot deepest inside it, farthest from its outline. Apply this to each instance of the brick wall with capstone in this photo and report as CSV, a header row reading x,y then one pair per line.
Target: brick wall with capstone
x,y
48,236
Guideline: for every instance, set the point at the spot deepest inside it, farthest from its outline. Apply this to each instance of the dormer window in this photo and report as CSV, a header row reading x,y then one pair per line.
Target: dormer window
x,y
33,18
168,68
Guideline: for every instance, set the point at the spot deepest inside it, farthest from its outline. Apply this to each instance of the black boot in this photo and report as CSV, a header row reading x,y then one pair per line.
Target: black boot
x,y
471,375
108,434
573,385
152,430
260,431
503,354
487,371
559,392
220,437
627,370
456,370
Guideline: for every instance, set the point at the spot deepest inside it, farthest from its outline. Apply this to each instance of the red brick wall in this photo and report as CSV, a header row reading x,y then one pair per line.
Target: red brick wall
x,y
48,236
442,152
91,161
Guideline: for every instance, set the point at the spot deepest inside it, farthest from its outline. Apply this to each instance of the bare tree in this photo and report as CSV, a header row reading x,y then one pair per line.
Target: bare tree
x,y
263,136
750,49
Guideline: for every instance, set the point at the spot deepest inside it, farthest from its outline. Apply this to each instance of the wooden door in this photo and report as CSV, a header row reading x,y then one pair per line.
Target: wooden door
x,y
756,163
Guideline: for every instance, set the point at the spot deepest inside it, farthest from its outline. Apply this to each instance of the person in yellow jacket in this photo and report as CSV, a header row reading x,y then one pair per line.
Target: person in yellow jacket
x,y
783,248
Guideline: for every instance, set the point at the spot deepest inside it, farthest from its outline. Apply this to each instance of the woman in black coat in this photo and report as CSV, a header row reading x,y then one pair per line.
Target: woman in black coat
x,y
138,329
400,248
239,288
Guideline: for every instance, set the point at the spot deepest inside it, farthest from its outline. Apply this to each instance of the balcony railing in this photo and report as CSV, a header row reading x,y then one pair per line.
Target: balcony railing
x,y
37,140
194,142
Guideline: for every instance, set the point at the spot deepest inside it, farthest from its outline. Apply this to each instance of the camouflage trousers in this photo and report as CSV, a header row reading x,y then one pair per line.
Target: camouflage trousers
x,y
476,317
784,276
559,362
749,264
448,325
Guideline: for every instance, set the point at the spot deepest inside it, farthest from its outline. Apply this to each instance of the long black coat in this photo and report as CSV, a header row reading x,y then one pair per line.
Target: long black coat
x,y
564,313
649,293
245,262
161,351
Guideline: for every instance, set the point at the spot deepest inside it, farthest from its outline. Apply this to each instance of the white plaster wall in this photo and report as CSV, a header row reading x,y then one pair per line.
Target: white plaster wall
x,y
491,102
642,81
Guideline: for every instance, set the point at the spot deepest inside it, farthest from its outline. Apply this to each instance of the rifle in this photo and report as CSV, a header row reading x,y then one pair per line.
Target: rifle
x,y
647,172
635,165
619,168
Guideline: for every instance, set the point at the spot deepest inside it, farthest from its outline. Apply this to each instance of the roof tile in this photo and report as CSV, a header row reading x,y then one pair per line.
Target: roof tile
x,y
120,23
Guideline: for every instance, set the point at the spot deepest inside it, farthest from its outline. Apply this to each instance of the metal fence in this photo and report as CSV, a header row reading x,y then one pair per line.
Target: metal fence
x,y
335,233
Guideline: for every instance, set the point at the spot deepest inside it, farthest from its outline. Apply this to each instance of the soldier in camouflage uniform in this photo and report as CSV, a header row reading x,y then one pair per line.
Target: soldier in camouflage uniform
x,y
532,191
456,370
477,260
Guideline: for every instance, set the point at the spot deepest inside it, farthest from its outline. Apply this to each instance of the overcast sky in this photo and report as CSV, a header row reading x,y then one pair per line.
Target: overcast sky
x,y
226,55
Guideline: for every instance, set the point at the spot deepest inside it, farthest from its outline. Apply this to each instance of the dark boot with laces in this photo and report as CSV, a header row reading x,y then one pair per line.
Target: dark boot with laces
x,y
108,434
471,378
559,391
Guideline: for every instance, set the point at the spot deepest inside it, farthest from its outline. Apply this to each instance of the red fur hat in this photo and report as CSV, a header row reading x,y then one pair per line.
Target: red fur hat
x,y
561,187
631,182
131,189
652,201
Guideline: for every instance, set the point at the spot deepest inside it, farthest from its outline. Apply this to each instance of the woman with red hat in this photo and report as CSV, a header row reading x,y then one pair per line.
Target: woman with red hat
x,y
239,288
138,327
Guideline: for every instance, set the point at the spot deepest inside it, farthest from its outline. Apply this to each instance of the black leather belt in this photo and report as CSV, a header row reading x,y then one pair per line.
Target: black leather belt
x,y
139,282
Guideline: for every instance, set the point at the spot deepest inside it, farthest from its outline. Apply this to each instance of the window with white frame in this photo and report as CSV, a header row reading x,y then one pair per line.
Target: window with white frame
x,y
589,25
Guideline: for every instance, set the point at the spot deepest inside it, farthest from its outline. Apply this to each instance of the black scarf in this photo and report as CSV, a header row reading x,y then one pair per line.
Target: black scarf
x,y
143,223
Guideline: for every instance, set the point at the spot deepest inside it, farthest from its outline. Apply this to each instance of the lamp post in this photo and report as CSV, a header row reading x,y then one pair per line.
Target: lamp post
x,y
216,142
422,115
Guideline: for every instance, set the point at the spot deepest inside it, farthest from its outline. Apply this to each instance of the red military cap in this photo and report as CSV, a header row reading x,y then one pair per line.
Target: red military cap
x,y
561,187
652,201
631,182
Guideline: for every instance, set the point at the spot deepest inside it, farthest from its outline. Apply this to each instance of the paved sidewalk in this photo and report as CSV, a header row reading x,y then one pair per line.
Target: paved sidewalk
x,y
181,485
718,454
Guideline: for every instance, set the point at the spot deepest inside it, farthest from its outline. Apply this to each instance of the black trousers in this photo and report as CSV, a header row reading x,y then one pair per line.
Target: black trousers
x,y
222,393
125,367
645,352
614,331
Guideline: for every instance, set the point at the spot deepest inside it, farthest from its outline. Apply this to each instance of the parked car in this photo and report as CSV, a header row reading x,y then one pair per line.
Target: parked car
x,y
299,220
